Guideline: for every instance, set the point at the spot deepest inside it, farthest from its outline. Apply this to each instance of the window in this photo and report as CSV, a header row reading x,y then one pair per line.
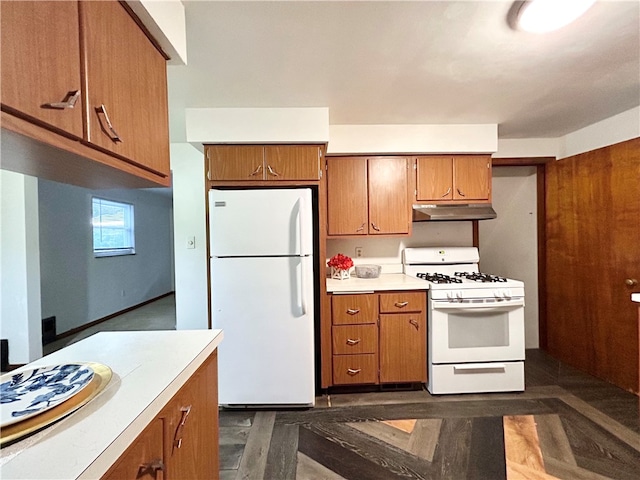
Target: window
x,y
113,232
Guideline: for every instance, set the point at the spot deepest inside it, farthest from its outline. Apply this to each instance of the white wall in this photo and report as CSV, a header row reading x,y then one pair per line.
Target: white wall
x,y
387,251
78,288
508,244
187,165
20,319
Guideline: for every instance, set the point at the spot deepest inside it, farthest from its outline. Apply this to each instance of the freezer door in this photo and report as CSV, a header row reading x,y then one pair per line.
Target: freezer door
x,y
265,308
260,222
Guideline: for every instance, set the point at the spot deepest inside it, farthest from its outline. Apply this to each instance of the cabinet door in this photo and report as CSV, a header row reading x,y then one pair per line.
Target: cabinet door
x,y
434,179
354,309
42,65
231,162
388,186
191,442
347,196
292,162
472,177
126,87
403,347
143,459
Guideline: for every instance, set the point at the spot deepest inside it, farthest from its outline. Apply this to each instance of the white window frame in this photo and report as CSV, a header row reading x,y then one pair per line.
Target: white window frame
x,y
128,246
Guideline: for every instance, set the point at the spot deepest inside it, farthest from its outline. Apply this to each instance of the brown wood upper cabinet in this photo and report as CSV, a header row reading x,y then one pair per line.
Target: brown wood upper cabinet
x,y
260,163
368,196
84,77
453,179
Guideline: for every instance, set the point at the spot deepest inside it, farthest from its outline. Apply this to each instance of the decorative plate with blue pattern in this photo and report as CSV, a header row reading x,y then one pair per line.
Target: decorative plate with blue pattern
x,y
30,392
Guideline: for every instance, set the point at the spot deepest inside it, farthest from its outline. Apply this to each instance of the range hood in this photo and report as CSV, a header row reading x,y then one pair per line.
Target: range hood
x,y
473,211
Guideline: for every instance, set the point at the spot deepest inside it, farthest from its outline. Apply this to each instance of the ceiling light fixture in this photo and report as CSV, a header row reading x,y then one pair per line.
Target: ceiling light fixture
x,y
541,16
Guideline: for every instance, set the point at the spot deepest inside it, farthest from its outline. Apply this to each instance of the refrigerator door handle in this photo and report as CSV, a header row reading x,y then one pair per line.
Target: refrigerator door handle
x,y
303,290
302,222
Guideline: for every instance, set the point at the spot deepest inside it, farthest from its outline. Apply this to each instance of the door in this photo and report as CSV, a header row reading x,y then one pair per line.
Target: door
x,y
260,222
126,87
434,178
403,344
265,307
347,196
389,210
235,162
593,218
471,178
292,162
31,83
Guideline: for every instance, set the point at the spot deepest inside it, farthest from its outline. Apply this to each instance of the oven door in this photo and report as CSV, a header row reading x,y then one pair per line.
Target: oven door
x,y
476,331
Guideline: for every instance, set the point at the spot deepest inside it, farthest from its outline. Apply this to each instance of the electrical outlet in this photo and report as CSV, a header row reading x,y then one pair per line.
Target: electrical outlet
x,y
358,252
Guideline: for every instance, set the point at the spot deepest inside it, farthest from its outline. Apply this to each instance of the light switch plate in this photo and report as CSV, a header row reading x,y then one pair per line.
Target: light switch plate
x,y
191,242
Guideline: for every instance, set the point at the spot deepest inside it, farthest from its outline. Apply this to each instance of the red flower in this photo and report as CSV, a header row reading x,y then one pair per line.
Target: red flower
x,y
341,262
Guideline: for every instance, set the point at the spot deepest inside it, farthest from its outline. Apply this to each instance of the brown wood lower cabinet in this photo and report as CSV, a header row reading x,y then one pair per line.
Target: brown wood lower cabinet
x,y
379,338
181,443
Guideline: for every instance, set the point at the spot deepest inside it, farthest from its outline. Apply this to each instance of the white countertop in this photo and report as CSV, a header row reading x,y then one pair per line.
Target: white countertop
x,y
148,369
635,297
386,281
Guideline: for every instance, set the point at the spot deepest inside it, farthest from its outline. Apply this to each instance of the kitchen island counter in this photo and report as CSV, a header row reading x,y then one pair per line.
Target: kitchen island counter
x,y
148,369
385,282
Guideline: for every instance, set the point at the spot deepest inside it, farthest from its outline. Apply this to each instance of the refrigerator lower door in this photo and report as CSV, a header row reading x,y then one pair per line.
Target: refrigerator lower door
x,y
264,305
260,222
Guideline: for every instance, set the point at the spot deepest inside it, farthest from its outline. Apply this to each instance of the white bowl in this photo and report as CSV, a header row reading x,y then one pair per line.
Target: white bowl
x,y
368,271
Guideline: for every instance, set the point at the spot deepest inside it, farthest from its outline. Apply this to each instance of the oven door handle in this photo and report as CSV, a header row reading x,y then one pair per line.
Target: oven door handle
x,y
479,307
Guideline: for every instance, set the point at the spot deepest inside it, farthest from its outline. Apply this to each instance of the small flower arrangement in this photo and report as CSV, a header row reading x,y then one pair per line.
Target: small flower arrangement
x,y
340,265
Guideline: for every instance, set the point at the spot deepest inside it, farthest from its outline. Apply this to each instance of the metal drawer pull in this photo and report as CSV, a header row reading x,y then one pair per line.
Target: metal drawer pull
x,y
151,468
272,172
353,371
351,341
375,227
401,304
256,171
353,311
114,135
414,323
177,439
69,101
447,192
360,228
460,193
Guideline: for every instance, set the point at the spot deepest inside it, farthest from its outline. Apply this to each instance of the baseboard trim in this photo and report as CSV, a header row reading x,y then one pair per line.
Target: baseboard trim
x,y
73,331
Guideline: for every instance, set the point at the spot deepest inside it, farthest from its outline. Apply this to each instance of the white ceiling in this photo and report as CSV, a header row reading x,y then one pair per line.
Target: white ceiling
x,y
416,62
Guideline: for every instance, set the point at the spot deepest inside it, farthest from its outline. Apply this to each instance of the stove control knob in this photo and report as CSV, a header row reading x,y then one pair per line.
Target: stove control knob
x,y
507,294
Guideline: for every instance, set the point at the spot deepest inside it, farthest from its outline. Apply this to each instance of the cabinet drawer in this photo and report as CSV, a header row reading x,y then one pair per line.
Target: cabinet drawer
x,y
402,302
352,309
355,369
354,339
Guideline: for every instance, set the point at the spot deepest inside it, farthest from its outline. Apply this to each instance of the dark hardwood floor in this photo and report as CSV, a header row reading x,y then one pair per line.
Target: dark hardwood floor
x,y
566,425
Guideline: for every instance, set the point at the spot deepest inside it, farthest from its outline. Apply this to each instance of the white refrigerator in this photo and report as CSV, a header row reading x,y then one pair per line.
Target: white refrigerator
x,y
262,295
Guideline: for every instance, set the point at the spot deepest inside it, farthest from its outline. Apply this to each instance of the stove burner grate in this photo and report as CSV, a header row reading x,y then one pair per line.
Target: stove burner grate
x,y
438,278
480,277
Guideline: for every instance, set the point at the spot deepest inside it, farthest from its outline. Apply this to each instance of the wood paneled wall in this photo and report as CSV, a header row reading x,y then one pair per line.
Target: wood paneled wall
x,y
593,247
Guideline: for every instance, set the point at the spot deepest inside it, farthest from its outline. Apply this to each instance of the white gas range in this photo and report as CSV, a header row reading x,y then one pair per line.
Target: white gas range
x,y
475,322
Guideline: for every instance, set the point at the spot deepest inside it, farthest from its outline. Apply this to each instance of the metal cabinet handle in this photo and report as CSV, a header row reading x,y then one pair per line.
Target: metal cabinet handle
x,y
401,304
272,172
375,227
256,171
353,371
414,323
177,439
151,468
447,192
351,341
360,228
113,134
353,311
460,193
69,101
632,282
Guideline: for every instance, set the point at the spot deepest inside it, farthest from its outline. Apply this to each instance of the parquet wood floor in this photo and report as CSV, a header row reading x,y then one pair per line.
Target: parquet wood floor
x,y
566,425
